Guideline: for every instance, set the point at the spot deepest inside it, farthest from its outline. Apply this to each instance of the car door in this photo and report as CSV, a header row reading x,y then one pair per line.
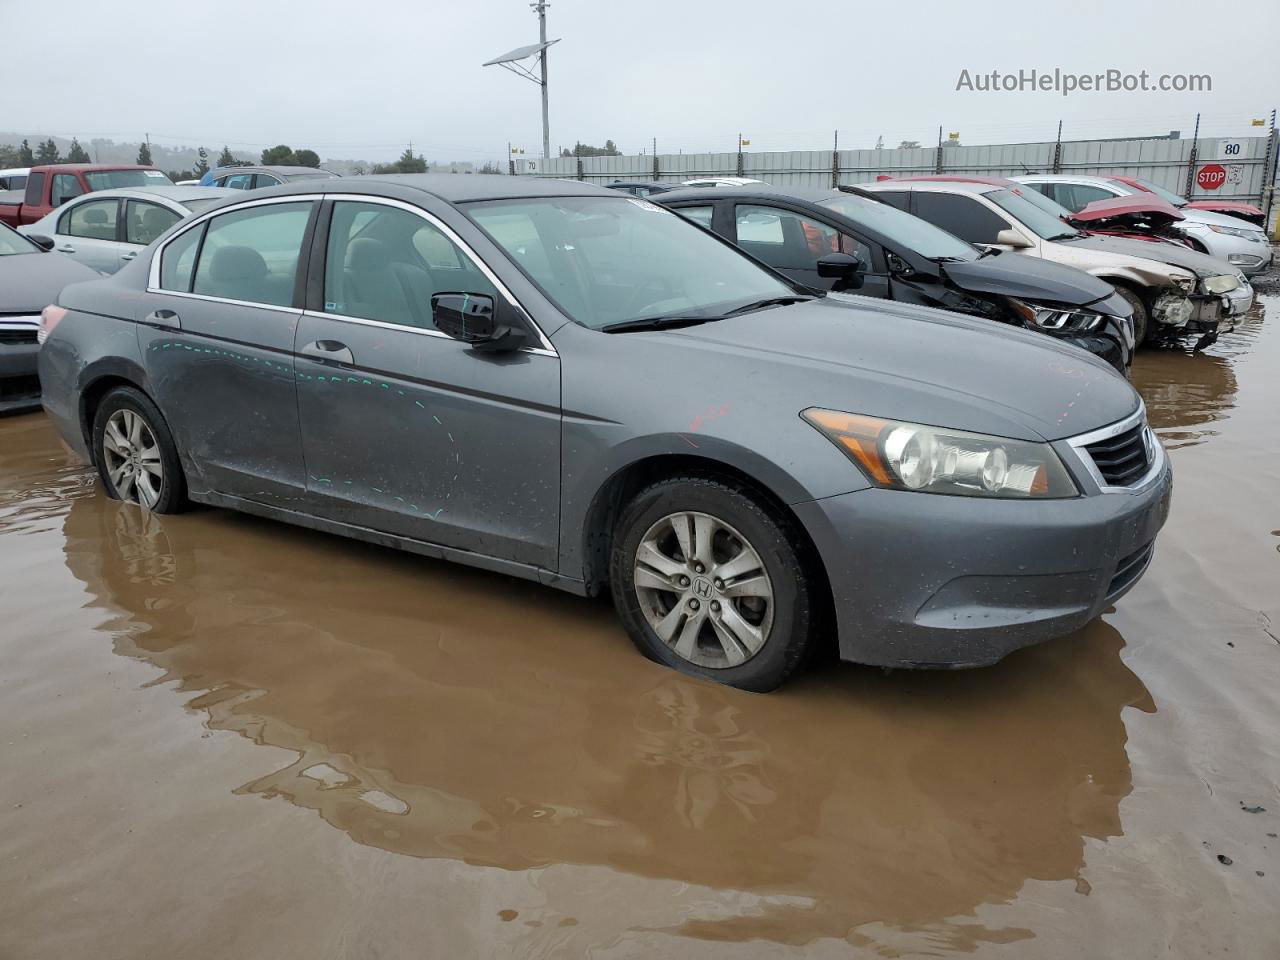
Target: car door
x,y
144,222
88,231
405,430
793,243
216,329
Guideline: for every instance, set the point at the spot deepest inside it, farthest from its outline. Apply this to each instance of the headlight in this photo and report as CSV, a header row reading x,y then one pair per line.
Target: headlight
x,y
1242,232
911,456
1053,318
1221,283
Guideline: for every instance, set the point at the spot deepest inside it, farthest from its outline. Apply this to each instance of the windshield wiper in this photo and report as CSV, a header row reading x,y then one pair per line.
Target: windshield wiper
x,y
655,323
767,302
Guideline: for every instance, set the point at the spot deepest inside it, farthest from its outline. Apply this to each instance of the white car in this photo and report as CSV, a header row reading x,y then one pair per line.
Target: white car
x,y
721,182
107,229
15,178
1173,290
1239,242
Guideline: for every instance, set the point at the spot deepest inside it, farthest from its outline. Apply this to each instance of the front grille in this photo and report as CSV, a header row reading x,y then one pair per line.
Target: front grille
x,y
17,335
1122,460
1130,569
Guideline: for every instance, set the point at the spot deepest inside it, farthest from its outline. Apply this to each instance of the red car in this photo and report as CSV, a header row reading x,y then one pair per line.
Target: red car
x,y
52,185
1232,208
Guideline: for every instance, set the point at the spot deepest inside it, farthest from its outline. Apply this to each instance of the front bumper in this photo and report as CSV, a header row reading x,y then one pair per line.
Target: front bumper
x,y
19,386
929,581
1113,342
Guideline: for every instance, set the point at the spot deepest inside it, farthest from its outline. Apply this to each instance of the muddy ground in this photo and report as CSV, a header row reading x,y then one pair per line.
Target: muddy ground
x,y
224,737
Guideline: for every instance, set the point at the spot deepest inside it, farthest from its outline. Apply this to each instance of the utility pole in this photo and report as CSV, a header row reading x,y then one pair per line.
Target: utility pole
x,y
541,7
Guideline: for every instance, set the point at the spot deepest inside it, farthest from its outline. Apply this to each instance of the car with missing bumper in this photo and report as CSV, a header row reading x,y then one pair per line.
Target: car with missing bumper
x,y
558,382
1174,291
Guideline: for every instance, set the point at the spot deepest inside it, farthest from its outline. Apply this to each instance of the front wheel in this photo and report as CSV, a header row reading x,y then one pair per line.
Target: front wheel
x,y
1141,316
135,453
709,581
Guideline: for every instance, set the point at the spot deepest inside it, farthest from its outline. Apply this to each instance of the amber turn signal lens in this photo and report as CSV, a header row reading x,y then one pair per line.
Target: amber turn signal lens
x,y
858,435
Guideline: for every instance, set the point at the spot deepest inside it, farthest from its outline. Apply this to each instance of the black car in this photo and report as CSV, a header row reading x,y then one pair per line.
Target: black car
x,y
831,239
30,279
644,188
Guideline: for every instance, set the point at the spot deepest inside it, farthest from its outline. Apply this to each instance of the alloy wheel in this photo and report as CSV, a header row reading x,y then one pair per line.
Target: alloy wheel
x,y
132,458
704,590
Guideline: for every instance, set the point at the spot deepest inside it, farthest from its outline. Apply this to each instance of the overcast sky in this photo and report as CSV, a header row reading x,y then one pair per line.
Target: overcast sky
x,y
359,80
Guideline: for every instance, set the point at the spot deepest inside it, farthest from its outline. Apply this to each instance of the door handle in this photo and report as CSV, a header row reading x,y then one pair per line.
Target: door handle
x,y
163,318
329,351
66,248
129,256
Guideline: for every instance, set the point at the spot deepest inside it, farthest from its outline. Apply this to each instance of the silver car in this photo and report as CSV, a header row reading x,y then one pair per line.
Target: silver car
x,y
106,229
1239,242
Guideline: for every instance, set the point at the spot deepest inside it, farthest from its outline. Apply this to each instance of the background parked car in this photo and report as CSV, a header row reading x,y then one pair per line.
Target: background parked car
x,y
1241,243
29,281
106,229
805,233
553,381
1172,290
15,178
723,182
644,188
255,178
1232,208
52,185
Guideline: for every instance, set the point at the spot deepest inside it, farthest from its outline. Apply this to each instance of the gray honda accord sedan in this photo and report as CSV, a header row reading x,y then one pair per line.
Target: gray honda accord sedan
x,y
553,381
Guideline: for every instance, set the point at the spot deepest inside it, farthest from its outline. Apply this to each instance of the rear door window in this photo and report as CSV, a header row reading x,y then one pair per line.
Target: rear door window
x,y
35,190
92,220
261,180
1076,196
787,240
65,187
238,181
962,215
700,214
252,254
144,221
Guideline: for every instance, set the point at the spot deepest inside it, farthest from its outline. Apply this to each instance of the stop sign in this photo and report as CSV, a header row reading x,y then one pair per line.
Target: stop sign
x,y
1211,176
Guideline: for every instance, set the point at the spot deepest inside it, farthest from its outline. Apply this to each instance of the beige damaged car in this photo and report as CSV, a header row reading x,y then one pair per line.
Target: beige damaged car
x,y
1173,290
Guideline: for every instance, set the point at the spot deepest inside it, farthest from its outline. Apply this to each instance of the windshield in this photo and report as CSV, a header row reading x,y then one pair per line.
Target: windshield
x,y
1166,195
114,179
1043,223
902,228
1034,196
12,242
607,260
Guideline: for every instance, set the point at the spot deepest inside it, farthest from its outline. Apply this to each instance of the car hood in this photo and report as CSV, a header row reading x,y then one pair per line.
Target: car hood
x,y
898,361
1027,278
32,281
1201,264
1218,219
1224,206
1135,207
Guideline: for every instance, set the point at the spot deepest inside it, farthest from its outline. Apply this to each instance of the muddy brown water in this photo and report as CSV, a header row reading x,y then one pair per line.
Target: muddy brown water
x,y
224,737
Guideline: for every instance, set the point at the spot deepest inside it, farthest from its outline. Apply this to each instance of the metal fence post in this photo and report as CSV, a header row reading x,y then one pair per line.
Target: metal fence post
x,y
580,176
740,164
656,177
1191,160
1269,173
937,163
835,160
1057,151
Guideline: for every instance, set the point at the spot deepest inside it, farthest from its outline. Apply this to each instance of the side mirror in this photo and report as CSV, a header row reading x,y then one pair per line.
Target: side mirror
x,y
43,242
1012,239
842,266
475,318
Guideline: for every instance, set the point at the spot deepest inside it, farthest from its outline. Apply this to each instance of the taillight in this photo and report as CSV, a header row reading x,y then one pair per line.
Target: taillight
x,y
49,318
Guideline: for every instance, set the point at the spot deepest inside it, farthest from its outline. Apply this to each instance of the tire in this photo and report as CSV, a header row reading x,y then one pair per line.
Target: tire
x,y
135,454
750,629
1141,316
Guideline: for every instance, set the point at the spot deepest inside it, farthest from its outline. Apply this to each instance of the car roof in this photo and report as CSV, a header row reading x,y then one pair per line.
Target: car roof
x,y
1066,178
175,193
931,186
94,167
761,191
283,170
450,187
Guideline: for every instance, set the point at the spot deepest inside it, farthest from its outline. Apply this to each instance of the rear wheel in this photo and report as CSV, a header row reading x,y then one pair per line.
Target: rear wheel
x,y
709,581
135,453
1141,316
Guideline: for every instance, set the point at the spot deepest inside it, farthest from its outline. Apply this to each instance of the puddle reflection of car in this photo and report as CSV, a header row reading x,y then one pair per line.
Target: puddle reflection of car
x,y
558,382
